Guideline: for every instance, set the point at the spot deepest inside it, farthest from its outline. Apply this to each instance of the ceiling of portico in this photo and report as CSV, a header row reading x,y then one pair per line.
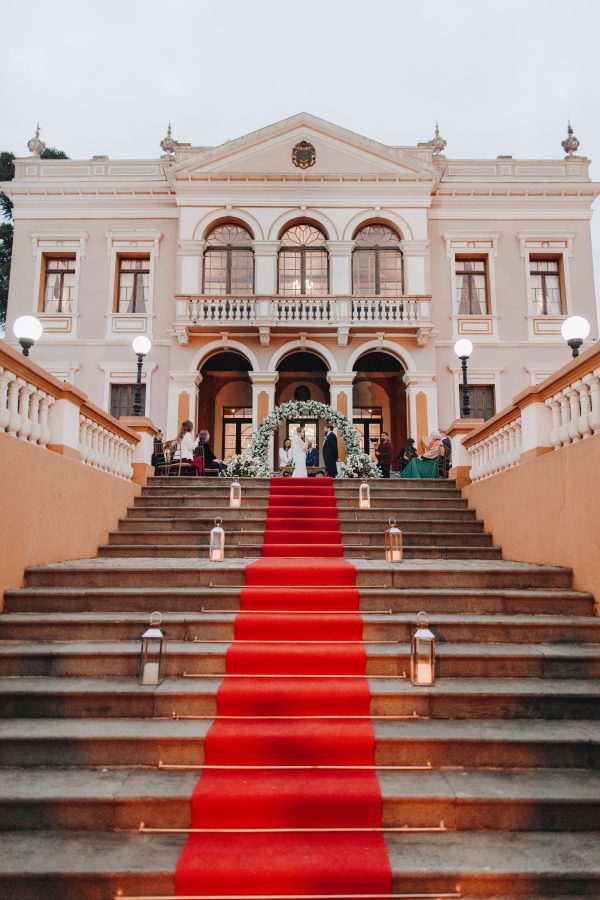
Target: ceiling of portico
x,y
339,152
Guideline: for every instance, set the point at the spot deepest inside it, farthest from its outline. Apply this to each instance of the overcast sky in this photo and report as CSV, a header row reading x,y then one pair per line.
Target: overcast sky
x,y
105,78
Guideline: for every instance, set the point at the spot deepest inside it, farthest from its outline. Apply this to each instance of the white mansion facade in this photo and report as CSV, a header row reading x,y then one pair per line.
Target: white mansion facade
x,y
302,260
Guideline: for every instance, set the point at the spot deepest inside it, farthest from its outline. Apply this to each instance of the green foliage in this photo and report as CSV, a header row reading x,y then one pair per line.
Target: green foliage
x,y
7,173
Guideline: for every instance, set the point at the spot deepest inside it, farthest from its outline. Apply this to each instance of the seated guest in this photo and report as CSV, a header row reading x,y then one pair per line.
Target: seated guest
x,y
158,453
312,455
184,448
432,446
209,460
445,440
384,452
406,454
285,454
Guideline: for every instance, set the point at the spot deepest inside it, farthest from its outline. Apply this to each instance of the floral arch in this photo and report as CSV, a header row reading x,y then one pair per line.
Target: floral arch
x,y
252,463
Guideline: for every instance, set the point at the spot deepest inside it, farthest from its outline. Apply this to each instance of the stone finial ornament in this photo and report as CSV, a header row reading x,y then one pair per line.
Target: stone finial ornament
x,y
35,146
570,144
437,143
167,145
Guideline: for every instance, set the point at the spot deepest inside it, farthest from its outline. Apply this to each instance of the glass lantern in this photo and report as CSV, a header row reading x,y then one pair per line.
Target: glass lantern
x,y
422,653
394,550
364,496
152,653
235,495
216,549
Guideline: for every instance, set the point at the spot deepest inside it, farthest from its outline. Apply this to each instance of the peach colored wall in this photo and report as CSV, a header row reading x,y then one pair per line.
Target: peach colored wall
x,y
546,511
56,509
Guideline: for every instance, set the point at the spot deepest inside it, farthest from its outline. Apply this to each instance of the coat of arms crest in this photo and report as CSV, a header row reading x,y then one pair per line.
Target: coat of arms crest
x,y
304,155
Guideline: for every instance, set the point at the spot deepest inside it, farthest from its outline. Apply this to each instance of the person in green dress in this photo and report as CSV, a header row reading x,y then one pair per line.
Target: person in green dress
x,y
425,466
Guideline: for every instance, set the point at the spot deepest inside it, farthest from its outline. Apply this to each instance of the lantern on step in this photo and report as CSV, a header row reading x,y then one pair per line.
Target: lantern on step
x,y
235,495
422,653
216,549
364,496
394,551
152,654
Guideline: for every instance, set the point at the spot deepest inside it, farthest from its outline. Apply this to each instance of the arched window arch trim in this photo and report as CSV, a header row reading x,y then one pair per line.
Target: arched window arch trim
x,y
377,264
303,259
228,259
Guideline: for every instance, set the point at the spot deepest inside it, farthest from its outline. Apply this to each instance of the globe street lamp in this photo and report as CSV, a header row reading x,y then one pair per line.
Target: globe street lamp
x,y
575,329
27,331
141,346
463,349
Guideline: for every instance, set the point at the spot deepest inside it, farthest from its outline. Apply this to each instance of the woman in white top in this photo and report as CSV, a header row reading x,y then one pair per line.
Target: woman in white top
x,y
285,454
299,453
185,441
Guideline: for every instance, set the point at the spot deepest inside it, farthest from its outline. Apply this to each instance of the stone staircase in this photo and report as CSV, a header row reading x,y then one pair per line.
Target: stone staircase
x,y
506,744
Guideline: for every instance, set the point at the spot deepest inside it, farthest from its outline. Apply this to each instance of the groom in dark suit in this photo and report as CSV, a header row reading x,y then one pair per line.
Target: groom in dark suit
x,y
330,451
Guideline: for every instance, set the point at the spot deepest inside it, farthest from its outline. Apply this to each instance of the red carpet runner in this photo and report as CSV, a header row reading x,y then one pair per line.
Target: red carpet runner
x,y
299,621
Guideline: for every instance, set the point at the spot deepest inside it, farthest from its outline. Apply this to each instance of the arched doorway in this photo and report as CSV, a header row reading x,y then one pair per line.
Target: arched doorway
x,y
379,400
225,402
302,376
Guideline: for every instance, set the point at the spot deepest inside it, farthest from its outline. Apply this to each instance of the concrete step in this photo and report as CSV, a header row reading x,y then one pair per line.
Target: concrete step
x,y
398,501
187,625
495,743
252,550
490,800
348,522
200,573
115,601
490,864
59,697
245,536
205,513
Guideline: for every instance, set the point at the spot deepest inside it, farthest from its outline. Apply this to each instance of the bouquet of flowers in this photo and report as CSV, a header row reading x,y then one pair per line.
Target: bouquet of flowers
x,y
358,465
246,465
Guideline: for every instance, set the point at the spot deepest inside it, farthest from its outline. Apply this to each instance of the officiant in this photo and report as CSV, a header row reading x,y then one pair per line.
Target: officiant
x,y
330,451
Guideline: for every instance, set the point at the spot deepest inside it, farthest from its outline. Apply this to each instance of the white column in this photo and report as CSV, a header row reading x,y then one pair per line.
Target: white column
x,y
340,267
421,383
265,266
181,382
536,422
417,276
263,383
189,266
340,385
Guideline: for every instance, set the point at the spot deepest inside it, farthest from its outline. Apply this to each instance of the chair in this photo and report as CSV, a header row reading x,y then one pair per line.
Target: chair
x,y
175,465
444,461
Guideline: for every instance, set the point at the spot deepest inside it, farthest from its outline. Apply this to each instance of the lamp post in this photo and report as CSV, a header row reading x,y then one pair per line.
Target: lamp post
x,y
463,349
27,330
575,329
141,346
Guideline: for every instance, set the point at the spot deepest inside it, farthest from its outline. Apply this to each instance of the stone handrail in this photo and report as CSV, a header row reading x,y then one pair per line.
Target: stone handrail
x,y
39,409
273,310
562,410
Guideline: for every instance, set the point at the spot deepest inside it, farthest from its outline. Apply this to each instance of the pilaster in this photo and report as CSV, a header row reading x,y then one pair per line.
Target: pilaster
x,y
421,401
417,277
265,266
190,258
181,402
340,266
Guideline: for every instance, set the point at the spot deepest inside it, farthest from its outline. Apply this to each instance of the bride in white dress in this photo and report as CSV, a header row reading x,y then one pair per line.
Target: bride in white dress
x,y
298,454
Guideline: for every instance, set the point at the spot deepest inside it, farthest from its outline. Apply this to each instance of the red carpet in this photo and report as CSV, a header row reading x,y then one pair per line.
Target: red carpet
x,y
299,621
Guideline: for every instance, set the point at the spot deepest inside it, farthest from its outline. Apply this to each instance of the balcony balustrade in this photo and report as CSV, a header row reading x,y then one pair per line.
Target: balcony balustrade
x,y
409,314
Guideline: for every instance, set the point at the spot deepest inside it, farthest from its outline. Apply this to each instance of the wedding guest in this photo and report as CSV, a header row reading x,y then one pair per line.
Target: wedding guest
x,y
185,442
408,452
158,453
285,454
384,452
432,446
312,455
204,451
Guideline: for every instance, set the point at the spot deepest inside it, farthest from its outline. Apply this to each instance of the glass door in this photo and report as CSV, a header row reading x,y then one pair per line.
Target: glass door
x,y
237,430
368,422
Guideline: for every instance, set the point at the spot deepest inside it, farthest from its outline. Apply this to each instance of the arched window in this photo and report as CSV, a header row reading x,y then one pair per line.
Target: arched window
x,y
377,261
303,261
228,261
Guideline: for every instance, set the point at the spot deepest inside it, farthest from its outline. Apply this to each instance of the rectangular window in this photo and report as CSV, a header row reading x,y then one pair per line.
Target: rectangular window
x,y
471,286
59,284
482,400
122,398
368,423
133,284
546,288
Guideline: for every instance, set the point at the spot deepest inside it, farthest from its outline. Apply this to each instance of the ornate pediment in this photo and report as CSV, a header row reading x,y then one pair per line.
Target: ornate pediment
x,y
305,144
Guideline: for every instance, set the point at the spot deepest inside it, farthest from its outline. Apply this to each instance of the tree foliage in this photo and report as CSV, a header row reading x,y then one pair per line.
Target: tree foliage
x,y
7,173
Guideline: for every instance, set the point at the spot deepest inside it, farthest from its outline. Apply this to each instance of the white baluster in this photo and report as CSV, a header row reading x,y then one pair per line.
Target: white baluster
x,y
14,418
585,429
574,414
45,434
5,379
565,410
554,405
593,380
34,415
25,424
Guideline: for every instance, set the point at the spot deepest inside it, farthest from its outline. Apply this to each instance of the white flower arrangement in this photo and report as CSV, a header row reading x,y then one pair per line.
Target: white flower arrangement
x,y
252,462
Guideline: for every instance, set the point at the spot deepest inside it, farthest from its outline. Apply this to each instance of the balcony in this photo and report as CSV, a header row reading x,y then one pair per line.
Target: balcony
x,y
410,315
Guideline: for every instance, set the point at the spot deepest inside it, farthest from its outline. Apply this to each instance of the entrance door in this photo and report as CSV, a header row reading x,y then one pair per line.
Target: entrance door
x,y
368,422
237,430
311,431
